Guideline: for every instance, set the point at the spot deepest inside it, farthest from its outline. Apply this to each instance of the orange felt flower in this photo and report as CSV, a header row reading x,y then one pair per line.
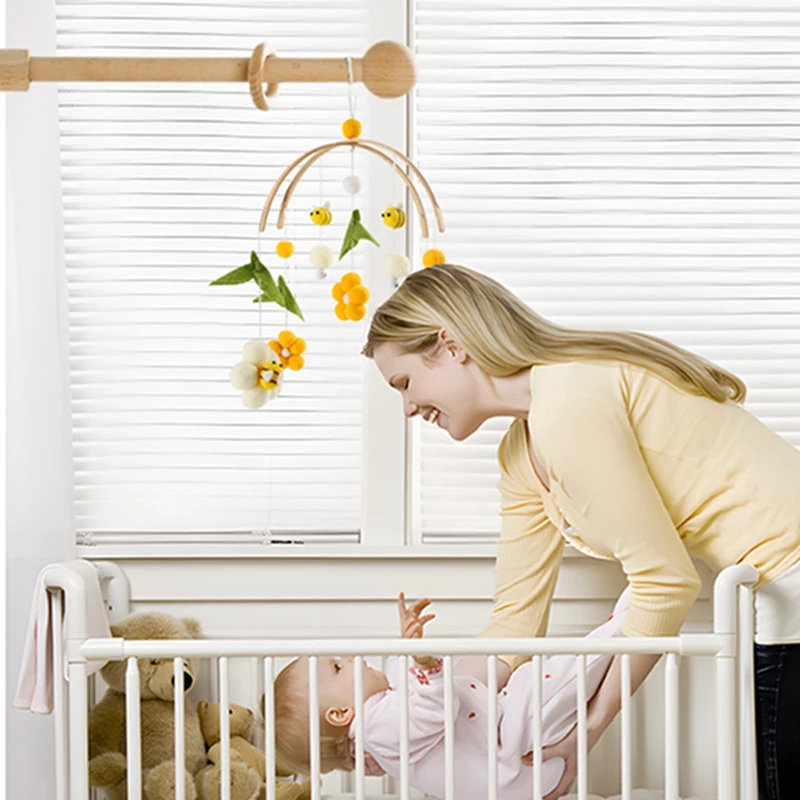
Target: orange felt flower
x,y
351,298
289,349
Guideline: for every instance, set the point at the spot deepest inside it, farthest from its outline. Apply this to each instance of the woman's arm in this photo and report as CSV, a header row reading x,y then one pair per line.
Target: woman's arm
x,y
601,711
528,559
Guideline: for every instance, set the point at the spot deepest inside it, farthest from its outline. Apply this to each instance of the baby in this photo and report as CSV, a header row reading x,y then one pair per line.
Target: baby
x,y
382,709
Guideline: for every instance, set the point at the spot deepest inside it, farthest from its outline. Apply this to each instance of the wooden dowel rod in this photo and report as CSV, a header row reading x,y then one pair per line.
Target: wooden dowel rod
x,y
190,70
386,69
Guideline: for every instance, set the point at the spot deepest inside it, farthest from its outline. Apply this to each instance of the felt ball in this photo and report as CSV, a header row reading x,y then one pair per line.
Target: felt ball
x,y
296,362
284,249
351,128
254,398
358,294
397,265
338,292
321,257
341,312
355,312
299,346
352,184
244,375
275,347
256,352
349,280
433,256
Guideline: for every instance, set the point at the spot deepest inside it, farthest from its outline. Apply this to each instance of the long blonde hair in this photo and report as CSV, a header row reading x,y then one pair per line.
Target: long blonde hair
x,y
503,335
292,750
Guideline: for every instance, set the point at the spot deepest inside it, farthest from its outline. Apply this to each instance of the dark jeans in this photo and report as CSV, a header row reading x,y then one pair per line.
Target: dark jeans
x,y
777,678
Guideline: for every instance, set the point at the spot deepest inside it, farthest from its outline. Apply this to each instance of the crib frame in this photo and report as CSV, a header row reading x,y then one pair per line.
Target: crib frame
x,y
730,644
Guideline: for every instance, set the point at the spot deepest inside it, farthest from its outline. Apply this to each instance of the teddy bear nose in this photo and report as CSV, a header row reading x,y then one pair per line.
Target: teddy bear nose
x,y
188,680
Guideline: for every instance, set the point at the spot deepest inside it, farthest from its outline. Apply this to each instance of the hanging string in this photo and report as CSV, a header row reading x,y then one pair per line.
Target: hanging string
x,y
350,96
258,251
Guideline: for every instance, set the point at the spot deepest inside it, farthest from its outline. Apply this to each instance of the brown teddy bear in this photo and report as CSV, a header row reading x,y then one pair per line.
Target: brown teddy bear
x,y
243,755
107,764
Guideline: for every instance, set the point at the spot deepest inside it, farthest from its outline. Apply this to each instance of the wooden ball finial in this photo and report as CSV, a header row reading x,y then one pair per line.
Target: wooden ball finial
x,y
388,70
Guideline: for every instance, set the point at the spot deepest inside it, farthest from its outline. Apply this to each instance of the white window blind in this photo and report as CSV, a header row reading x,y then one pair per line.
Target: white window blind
x,y
626,165
163,186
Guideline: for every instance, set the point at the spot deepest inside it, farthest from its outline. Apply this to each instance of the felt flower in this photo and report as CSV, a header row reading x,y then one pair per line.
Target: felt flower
x,y
351,297
259,375
289,349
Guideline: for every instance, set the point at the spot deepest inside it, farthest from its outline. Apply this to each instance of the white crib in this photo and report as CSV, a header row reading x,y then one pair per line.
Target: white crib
x,y
730,644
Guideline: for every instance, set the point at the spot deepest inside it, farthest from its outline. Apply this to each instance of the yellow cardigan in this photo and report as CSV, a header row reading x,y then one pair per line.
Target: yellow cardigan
x,y
645,473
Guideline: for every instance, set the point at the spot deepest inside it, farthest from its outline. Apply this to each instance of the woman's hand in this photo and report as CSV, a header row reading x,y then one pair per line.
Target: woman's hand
x,y
567,749
412,624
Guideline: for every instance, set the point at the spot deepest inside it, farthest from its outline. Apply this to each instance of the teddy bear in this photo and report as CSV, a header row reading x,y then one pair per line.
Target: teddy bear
x,y
107,762
243,755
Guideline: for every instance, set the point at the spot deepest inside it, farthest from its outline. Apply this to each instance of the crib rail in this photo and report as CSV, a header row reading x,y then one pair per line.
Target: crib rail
x,y
733,607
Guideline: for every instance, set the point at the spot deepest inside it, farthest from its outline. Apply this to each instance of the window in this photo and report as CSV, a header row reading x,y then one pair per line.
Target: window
x,y
623,167
626,167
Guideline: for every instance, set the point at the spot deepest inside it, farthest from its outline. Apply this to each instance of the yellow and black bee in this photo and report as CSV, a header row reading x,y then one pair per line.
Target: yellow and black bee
x,y
394,217
321,215
269,375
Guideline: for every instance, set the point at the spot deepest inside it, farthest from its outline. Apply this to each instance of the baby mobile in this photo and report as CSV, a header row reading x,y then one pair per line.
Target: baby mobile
x,y
260,373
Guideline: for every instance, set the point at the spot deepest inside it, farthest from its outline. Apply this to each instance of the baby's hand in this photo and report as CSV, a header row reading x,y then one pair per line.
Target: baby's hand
x,y
412,624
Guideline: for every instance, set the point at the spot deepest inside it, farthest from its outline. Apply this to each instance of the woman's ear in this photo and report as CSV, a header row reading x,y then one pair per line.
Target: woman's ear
x,y
452,347
340,717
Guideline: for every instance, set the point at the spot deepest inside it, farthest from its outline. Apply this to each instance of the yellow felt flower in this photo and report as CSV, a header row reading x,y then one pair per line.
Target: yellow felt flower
x,y
289,350
351,298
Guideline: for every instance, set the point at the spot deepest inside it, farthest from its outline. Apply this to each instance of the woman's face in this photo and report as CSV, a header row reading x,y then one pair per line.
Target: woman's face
x,y
443,388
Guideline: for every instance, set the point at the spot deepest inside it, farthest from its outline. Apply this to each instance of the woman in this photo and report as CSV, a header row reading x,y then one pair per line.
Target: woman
x,y
626,446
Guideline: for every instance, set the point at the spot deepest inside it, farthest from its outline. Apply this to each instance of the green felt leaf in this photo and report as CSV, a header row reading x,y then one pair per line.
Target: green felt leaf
x,y
289,302
354,234
234,277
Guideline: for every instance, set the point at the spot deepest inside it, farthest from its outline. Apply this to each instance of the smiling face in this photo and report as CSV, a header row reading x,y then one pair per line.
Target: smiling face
x,y
443,388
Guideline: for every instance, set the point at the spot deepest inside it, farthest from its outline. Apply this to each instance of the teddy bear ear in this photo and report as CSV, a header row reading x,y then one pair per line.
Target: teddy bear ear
x,y
193,626
202,706
116,631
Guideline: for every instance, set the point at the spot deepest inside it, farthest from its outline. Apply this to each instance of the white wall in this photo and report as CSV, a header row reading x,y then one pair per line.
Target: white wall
x,y
39,503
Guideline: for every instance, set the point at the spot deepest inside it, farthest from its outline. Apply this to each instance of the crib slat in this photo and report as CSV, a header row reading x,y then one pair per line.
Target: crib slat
x,y
671,766
225,730
59,705
536,725
313,725
747,740
132,731
269,725
404,756
583,757
491,732
449,733
626,756
180,744
358,677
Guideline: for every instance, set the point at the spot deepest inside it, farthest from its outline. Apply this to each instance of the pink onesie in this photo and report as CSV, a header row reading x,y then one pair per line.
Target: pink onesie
x,y
470,709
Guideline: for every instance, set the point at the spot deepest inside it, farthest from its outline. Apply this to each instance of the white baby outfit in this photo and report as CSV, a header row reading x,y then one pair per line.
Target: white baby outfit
x,y
470,709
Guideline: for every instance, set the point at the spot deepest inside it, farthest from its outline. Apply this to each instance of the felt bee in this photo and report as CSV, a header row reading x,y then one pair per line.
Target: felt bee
x,y
321,215
394,217
270,375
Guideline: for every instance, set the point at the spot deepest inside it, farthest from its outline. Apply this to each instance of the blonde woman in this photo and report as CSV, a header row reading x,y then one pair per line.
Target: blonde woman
x,y
626,446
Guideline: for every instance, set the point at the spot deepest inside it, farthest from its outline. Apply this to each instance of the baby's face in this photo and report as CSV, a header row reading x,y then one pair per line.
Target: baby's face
x,y
335,678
